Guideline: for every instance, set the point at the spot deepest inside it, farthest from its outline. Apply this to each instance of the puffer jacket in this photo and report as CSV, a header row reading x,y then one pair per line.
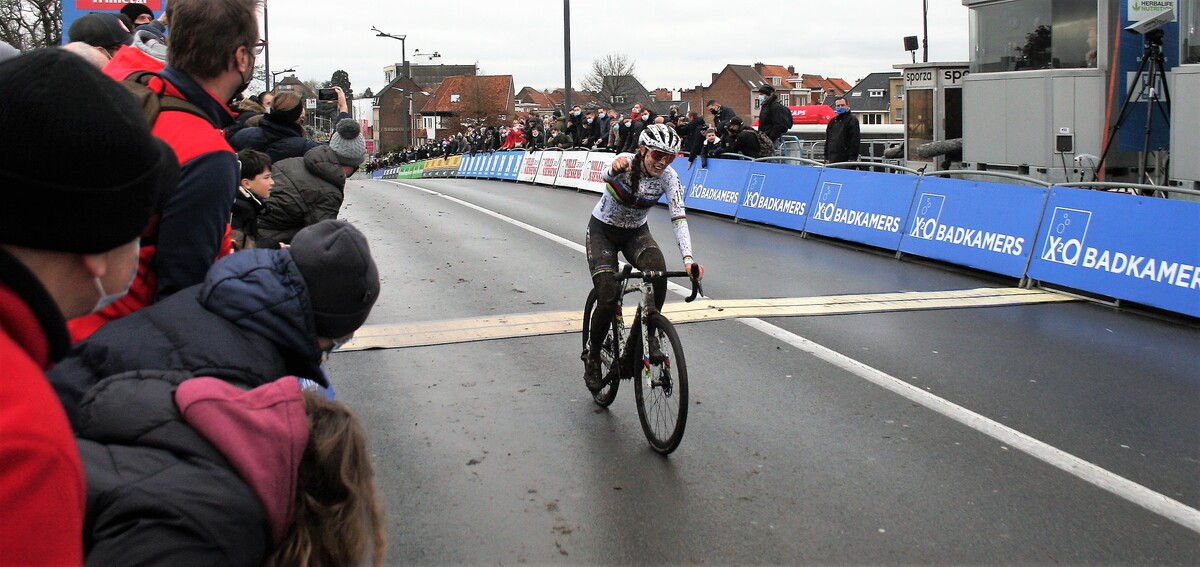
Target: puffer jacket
x,y
158,492
249,322
279,141
307,190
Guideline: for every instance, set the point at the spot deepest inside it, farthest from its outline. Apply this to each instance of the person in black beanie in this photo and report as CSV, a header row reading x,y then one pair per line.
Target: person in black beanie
x,y
258,315
138,13
68,245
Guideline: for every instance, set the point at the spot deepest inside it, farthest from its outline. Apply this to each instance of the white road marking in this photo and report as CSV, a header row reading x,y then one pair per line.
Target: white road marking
x,y
1103,479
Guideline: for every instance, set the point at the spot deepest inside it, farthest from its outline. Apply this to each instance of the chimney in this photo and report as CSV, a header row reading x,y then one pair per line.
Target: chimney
x,y
792,69
714,79
758,67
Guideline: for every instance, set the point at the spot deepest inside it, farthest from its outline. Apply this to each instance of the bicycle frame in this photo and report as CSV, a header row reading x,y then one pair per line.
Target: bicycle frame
x,y
646,307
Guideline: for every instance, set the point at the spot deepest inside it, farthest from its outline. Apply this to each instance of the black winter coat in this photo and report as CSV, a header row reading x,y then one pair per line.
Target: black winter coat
x,y
842,139
721,121
249,323
744,143
307,190
158,492
774,119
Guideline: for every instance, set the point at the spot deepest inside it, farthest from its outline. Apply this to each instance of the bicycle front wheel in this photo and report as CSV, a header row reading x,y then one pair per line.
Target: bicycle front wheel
x,y
662,396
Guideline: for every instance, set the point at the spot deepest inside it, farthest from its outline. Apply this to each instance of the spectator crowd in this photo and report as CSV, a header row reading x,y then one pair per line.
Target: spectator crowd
x,y
608,129
167,302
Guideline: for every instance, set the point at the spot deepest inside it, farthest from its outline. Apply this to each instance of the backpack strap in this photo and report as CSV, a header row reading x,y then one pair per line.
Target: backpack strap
x,y
153,98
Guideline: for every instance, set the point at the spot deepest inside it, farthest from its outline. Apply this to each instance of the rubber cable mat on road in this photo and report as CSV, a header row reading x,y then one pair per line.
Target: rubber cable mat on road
x,y
559,322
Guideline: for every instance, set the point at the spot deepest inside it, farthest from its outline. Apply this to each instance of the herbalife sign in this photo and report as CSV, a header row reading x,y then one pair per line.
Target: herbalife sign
x,y
1140,10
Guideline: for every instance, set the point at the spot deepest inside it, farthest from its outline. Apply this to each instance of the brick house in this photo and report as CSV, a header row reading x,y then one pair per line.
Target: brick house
x,y
395,125
469,100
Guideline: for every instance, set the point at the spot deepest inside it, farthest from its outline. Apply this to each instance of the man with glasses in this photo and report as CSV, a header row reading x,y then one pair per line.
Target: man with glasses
x,y
211,58
634,184
841,134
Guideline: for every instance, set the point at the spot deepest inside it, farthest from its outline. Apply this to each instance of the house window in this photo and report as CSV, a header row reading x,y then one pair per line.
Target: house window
x,y
785,99
872,118
875,93
757,103
617,99
775,81
454,98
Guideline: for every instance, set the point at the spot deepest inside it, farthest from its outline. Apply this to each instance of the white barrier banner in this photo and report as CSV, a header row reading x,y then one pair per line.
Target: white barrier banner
x,y
548,168
570,172
593,171
529,168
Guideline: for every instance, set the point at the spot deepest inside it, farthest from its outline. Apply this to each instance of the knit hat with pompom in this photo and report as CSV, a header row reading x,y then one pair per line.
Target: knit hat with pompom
x,y
347,142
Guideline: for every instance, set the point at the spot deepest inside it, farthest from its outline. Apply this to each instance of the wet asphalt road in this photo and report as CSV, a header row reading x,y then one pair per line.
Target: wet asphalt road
x,y
492,453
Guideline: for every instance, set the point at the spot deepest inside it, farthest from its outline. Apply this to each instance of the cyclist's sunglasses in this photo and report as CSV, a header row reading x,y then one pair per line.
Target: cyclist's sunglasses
x,y
658,155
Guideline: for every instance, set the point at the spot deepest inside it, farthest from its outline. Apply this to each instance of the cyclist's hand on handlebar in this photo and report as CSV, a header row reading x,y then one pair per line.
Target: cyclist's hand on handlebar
x,y
687,267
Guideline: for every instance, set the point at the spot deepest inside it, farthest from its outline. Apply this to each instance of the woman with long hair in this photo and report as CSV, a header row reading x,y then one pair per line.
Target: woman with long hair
x,y
197,471
634,184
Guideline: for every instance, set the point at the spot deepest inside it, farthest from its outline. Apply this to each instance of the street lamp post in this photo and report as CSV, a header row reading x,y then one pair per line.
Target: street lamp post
x,y
403,55
271,86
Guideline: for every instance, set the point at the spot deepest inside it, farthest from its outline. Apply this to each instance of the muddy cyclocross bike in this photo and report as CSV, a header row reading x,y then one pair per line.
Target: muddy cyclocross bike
x,y
656,366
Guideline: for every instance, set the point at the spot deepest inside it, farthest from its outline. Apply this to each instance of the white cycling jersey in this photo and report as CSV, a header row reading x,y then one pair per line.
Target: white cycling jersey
x,y
625,207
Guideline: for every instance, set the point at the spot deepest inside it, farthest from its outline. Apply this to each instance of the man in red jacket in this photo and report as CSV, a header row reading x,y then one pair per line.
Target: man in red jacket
x,y
68,245
210,59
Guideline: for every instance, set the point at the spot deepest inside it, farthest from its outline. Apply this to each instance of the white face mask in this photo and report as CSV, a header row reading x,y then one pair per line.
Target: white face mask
x,y
106,300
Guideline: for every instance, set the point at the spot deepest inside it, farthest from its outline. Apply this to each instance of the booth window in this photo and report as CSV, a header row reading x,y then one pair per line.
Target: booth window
x,y
920,120
1022,35
1189,20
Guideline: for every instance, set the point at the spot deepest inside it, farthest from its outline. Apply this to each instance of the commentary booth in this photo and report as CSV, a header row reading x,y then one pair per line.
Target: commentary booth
x,y
1057,90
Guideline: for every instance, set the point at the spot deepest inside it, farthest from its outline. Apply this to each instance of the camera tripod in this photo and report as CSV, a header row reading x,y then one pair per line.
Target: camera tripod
x,y
1151,67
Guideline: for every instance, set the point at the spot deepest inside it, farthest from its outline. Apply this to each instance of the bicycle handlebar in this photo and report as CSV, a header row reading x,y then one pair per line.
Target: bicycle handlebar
x,y
697,289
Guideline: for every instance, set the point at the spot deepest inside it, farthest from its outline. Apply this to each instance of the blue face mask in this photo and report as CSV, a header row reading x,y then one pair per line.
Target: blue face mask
x,y
602,115
106,300
841,110
589,120
761,98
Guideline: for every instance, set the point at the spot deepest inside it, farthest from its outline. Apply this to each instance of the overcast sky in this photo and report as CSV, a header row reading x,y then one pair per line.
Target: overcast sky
x,y
672,47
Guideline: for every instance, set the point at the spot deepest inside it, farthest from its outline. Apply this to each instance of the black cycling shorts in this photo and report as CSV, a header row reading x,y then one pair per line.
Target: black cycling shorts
x,y
604,240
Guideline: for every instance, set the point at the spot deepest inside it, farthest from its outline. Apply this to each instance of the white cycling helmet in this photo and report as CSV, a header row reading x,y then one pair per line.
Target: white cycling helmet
x,y
660,137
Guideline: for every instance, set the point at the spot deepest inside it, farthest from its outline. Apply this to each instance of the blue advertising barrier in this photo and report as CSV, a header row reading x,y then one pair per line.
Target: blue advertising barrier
x,y
685,171
1123,246
464,166
778,194
717,188
861,206
491,167
983,225
512,164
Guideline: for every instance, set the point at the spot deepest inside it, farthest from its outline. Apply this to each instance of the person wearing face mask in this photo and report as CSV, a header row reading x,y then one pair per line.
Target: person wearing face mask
x,y
774,119
576,127
721,117
635,183
211,58
739,139
841,134
68,246
259,314
601,128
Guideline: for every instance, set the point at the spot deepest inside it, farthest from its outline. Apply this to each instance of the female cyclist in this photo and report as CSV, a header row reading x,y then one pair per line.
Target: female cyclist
x,y
635,182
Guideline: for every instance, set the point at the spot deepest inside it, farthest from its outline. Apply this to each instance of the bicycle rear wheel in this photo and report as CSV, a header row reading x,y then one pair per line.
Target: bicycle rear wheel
x,y
609,355
662,401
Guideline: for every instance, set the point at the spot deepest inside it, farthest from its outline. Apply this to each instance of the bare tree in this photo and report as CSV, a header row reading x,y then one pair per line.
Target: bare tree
x,y
613,78
28,24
